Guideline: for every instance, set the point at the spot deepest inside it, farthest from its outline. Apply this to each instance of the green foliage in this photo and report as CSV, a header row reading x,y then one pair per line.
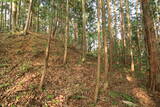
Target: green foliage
x,y
25,67
114,103
3,65
13,105
128,97
77,96
20,52
32,86
114,94
124,96
92,105
4,85
55,101
50,96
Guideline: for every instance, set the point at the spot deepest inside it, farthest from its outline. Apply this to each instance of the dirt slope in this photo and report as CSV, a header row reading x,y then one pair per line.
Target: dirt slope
x,y
70,85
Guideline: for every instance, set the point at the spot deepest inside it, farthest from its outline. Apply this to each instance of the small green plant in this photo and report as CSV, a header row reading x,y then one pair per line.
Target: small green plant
x,y
78,96
25,67
4,85
92,104
4,60
114,103
55,101
32,86
50,96
128,97
114,94
19,52
3,65
13,105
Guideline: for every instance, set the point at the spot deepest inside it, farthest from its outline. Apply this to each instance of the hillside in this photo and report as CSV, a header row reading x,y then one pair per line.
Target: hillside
x,y
70,85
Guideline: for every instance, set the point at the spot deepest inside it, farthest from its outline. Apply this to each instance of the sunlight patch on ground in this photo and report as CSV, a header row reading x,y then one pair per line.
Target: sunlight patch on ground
x,y
129,78
143,97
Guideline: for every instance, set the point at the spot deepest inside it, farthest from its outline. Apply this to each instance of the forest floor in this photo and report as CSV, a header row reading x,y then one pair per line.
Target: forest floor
x,y
70,85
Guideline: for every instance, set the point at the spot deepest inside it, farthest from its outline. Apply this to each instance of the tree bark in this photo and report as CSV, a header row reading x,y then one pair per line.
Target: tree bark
x,y
37,17
110,35
129,35
28,18
14,14
138,36
106,66
123,32
99,51
10,20
84,29
1,16
51,34
5,17
66,34
151,44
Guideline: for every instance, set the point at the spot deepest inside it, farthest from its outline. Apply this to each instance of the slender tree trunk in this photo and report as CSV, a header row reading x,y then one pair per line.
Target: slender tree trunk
x,y
28,18
123,32
84,29
75,33
52,33
129,35
151,44
138,35
18,14
99,51
115,19
67,33
2,16
5,17
110,35
45,61
115,29
106,66
30,22
10,19
37,17
14,14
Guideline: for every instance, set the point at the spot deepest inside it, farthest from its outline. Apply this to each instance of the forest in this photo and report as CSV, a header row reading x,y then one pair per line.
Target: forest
x,y
79,53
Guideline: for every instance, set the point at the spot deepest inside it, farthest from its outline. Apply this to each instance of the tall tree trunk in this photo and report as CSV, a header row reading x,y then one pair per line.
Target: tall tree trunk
x,y
129,35
28,18
115,28
110,35
99,51
30,21
66,33
10,19
138,35
84,29
75,33
1,16
123,32
18,14
37,17
151,44
14,14
52,33
106,66
5,17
